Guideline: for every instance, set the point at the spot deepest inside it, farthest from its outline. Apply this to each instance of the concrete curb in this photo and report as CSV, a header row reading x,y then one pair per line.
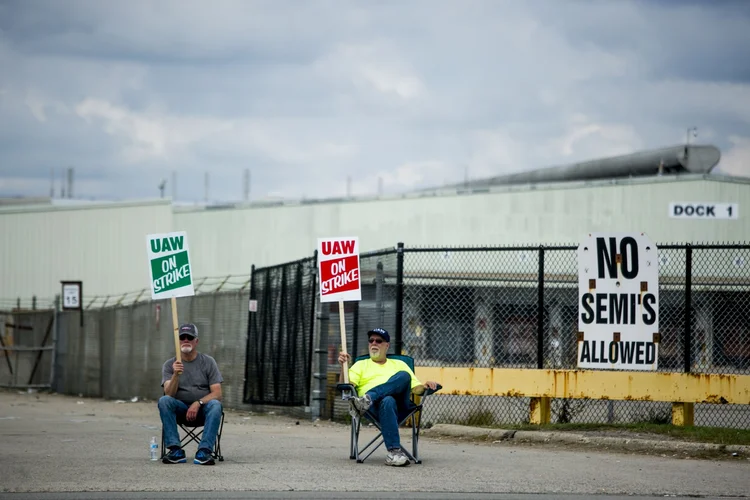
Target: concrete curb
x,y
571,437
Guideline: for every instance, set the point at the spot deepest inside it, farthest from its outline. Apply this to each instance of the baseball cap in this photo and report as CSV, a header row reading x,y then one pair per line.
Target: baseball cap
x,y
189,329
380,331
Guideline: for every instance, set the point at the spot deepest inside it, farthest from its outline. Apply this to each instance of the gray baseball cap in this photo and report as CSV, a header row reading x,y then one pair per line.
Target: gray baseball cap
x,y
189,329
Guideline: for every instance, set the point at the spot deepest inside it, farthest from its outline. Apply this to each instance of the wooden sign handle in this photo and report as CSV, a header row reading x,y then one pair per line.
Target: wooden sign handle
x,y
176,327
342,327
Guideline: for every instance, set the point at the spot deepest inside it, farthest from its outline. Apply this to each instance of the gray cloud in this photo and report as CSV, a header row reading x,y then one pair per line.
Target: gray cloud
x,y
308,94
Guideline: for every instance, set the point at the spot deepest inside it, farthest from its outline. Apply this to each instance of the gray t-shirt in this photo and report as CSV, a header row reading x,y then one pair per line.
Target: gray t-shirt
x,y
197,377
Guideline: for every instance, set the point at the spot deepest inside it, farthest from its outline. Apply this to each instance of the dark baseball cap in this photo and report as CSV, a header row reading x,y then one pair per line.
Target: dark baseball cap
x,y
380,331
189,329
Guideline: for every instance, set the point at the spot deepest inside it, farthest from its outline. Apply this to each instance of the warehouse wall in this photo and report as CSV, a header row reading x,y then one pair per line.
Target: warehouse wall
x,y
104,245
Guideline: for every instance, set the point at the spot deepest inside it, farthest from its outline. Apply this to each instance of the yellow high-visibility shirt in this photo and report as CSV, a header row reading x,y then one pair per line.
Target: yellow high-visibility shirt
x,y
366,374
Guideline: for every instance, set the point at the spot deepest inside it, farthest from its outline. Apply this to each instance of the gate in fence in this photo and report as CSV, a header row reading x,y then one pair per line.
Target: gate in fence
x,y
27,344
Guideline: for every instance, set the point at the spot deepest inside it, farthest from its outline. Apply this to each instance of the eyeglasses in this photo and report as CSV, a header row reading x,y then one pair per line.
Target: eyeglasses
x,y
186,337
375,341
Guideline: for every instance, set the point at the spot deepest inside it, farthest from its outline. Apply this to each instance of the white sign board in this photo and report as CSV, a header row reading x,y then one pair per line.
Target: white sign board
x,y
618,302
706,211
169,265
71,295
338,268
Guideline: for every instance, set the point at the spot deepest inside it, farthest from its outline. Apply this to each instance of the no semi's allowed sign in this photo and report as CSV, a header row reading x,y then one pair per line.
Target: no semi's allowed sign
x,y
618,302
338,268
169,265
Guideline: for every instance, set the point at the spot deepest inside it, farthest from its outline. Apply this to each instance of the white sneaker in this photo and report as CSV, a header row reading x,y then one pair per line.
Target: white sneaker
x,y
397,458
363,404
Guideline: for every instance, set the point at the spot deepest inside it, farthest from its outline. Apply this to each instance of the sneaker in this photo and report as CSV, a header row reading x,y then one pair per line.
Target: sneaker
x,y
363,404
203,457
175,456
397,458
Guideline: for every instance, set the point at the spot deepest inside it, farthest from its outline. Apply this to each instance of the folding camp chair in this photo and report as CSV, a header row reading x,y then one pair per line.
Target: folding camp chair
x,y
348,393
192,433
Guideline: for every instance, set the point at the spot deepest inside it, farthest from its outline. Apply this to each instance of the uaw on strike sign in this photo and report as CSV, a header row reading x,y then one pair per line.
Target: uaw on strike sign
x,y
338,268
618,302
169,265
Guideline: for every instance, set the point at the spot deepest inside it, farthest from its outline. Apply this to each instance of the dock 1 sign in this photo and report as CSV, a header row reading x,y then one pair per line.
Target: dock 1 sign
x,y
338,268
618,302
169,265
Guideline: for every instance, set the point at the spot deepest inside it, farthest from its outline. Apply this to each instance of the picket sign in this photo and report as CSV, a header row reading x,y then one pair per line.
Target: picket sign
x,y
339,274
171,274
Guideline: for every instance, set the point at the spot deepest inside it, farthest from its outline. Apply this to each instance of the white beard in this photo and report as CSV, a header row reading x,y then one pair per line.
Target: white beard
x,y
186,349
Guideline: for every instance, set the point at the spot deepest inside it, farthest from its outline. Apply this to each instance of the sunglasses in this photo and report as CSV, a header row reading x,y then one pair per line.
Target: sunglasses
x,y
375,341
186,337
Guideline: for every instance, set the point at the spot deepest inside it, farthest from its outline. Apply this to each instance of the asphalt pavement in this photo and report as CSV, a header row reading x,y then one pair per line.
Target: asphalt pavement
x,y
57,446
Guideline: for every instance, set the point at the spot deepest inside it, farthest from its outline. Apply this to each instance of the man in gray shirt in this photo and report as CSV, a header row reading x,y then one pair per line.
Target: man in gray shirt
x,y
192,391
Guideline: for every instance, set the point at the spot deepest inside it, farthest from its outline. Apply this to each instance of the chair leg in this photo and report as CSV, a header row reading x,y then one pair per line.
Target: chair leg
x,y
217,445
415,439
353,439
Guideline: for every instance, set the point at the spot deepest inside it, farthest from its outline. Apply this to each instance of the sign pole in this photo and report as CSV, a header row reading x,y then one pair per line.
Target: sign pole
x,y
176,327
342,327
338,272
171,273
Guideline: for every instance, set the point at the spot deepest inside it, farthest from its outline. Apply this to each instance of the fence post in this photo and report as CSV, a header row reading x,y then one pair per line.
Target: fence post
x,y
250,319
399,296
540,312
320,393
688,306
355,329
55,336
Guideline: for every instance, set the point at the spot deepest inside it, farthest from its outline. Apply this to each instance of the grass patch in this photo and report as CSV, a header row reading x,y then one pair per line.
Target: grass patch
x,y
716,435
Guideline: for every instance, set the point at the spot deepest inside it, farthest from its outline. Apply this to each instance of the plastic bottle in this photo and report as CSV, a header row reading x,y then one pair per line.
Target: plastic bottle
x,y
154,446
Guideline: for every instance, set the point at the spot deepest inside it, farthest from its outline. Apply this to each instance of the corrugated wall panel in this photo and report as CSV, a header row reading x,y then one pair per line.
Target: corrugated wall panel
x,y
104,246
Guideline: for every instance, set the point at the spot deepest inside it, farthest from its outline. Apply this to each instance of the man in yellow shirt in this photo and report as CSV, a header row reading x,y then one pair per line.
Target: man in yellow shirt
x,y
385,386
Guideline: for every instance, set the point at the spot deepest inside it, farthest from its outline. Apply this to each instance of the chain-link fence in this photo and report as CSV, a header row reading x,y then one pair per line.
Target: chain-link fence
x,y
118,352
507,307
517,307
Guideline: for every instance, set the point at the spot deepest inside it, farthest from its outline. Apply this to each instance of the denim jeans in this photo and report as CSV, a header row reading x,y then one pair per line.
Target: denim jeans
x,y
391,402
209,414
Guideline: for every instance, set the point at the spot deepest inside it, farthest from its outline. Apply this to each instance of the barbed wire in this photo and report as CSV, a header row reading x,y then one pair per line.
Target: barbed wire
x,y
204,285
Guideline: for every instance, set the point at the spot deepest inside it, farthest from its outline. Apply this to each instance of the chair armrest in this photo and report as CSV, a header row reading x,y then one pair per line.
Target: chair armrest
x,y
429,391
348,391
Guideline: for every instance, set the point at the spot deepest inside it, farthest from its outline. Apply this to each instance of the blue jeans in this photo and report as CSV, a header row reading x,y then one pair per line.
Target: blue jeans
x,y
390,403
210,414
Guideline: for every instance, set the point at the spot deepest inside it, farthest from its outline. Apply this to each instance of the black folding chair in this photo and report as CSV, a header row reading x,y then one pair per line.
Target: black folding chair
x,y
193,432
348,392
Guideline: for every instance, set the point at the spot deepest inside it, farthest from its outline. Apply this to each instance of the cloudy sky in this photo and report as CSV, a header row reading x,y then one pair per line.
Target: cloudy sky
x,y
397,94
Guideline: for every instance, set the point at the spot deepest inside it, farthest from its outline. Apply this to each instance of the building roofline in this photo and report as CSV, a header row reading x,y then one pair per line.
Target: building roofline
x,y
475,190
82,205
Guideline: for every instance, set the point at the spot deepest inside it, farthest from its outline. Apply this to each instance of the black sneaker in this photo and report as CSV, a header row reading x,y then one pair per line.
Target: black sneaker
x,y
175,456
203,457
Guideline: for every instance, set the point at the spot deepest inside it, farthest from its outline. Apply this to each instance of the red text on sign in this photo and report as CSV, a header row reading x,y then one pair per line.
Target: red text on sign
x,y
338,247
339,275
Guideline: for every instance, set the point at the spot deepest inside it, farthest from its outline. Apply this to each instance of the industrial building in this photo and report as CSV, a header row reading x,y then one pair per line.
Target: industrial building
x,y
666,193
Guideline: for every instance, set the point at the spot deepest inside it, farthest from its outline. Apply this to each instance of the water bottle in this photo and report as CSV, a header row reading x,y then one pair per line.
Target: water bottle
x,y
154,446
